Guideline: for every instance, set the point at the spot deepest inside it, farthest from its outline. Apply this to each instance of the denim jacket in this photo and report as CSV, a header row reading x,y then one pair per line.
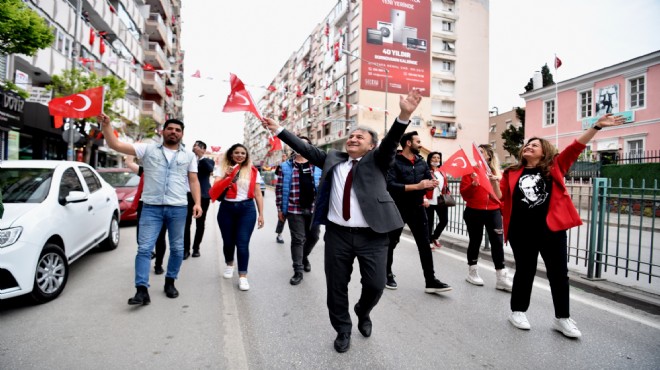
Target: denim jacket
x,y
165,184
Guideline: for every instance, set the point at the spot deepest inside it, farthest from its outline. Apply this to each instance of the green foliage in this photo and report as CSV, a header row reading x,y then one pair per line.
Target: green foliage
x,y
546,77
22,30
648,173
514,137
10,86
144,130
73,81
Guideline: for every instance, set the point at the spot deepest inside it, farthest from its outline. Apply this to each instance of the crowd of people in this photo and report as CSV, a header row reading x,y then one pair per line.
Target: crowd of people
x,y
364,196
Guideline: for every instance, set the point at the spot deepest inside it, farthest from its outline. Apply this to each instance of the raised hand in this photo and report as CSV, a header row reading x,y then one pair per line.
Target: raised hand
x,y
408,104
610,120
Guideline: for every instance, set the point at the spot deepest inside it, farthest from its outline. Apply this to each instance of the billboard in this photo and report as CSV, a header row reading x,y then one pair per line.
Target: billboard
x,y
396,36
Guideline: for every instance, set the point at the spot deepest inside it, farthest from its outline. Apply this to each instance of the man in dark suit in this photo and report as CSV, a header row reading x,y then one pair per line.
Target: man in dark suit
x,y
358,212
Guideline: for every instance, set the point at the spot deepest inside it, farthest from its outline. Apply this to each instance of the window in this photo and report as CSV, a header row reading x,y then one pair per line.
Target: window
x,y
492,145
549,113
444,129
416,122
508,123
70,182
92,181
585,104
493,128
636,90
447,66
635,148
448,26
355,76
448,46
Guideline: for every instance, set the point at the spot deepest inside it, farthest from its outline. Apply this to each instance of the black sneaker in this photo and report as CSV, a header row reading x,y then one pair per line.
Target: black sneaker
x,y
436,286
391,284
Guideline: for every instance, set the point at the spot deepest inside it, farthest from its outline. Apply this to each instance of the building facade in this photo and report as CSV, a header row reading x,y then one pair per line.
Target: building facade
x,y
133,40
630,88
321,91
499,123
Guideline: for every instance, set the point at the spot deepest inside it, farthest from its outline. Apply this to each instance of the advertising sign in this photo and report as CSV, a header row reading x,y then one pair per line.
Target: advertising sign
x,y
396,36
40,95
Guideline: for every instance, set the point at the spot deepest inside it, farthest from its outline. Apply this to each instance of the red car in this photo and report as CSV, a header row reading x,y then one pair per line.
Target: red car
x,y
125,183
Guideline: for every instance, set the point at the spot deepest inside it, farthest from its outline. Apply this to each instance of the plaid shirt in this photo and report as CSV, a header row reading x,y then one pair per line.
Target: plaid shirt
x,y
294,193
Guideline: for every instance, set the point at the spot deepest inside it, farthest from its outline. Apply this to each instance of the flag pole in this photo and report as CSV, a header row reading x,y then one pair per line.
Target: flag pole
x,y
556,104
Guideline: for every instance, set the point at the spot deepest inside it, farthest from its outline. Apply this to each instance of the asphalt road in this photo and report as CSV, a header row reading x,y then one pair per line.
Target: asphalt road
x,y
213,325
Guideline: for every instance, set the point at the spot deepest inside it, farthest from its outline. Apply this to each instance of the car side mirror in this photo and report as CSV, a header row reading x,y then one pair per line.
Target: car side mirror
x,y
75,197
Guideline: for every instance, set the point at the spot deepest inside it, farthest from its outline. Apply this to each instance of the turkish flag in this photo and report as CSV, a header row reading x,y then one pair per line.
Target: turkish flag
x,y
482,170
481,161
197,74
275,144
457,165
148,67
215,149
91,36
240,100
88,103
58,121
101,47
557,62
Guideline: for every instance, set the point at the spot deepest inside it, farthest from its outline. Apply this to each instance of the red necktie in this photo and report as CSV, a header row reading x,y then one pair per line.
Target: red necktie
x,y
346,204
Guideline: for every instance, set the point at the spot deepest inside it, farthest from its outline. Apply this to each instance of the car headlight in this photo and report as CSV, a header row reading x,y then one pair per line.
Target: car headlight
x,y
9,236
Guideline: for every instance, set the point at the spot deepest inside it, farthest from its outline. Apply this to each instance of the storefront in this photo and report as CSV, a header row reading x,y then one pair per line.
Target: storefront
x,y
39,138
11,113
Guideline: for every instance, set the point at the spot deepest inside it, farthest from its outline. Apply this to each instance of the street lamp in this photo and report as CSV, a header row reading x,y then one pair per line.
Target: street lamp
x,y
387,75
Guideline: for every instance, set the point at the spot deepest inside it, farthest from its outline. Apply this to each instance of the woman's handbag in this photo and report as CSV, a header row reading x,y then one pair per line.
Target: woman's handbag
x,y
445,198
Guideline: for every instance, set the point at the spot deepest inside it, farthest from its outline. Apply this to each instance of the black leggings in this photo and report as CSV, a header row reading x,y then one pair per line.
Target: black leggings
x,y
476,220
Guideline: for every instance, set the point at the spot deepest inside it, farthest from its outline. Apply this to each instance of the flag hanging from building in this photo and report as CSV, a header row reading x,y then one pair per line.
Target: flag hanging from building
x,y
239,99
88,103
457,165
557,62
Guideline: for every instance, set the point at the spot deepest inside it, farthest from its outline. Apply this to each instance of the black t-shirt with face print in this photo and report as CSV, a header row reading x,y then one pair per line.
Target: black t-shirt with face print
x,y
531,198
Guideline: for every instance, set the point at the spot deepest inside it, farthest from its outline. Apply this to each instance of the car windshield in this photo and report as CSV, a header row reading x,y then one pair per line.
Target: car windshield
x,y
125,179
25,185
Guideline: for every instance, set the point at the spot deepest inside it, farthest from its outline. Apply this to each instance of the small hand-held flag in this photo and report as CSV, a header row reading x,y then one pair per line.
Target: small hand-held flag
x,y
88,103
483,170
239,99
457,165
481,161
275,143
557,62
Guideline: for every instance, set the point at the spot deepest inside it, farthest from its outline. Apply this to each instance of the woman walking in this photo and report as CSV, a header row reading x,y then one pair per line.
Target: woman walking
x,y
434,160
482,210
537,211
238,189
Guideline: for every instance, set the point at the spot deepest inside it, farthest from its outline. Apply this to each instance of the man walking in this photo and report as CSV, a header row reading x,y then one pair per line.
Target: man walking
x,y
204,170
297,185
166,168
407,181
358,212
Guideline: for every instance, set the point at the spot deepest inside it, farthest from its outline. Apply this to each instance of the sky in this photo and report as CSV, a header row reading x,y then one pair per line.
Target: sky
x,y
254,38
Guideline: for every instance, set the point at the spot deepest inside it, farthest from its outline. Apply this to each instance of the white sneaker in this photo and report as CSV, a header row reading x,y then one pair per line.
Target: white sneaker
x,y
503,280
473,276
519,320
243,284
567,327
229,272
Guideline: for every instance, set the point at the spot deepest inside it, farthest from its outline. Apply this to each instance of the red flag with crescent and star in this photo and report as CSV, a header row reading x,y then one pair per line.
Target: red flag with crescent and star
x,y
457,165
240,100
275,144
88,103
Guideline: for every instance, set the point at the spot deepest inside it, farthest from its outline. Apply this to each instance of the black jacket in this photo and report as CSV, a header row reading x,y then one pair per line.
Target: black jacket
x,y
403,173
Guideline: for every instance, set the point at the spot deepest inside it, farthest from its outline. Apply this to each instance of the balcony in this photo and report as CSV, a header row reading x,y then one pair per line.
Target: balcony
x,y
156,28
155,56
152,83
163,7
152,109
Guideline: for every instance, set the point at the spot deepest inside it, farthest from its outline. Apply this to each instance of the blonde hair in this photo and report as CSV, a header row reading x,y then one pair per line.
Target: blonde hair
x,y
493,163
244,174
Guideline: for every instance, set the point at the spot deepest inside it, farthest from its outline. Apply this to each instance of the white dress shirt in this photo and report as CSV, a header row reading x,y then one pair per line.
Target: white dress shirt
x,y
335,214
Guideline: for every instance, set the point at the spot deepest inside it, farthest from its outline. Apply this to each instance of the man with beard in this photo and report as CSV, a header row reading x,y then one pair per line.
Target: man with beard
x,y
168,169
407,181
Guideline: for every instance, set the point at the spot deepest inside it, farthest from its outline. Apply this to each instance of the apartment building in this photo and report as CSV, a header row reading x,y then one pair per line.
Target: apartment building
x,y
498,124
630,88
355,64
134,40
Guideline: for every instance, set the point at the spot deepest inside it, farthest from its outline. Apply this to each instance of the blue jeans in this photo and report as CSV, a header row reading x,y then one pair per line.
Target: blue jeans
x,y
151,220
236,221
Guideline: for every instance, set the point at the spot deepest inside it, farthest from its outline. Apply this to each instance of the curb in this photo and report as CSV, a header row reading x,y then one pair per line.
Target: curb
x,y
630,296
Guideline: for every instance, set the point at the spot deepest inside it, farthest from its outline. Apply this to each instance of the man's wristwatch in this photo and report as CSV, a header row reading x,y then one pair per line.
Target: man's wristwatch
x,y
596,127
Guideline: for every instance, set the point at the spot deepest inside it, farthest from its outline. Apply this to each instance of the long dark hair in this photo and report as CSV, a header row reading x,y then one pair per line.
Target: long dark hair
x,y
428,158
545,164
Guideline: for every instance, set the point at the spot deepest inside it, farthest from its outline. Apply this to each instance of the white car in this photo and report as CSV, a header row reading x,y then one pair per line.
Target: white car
x,y
55,212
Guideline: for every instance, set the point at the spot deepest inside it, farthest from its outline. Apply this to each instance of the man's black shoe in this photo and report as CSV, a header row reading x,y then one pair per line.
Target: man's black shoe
x,y
196,253
391,284
364,322
186,254
297,278
343,342
306,265
141,297
170,290
158,270
436,286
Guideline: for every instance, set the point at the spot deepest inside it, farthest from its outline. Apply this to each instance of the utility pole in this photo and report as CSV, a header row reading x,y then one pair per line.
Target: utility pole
x,y
76,55
347,85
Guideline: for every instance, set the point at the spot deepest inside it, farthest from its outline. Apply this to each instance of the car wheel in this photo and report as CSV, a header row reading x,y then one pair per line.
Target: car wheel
x,y
112,241
51,274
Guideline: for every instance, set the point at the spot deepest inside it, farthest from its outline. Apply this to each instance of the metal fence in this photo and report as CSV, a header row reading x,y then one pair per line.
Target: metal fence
x,y
637,156
619,235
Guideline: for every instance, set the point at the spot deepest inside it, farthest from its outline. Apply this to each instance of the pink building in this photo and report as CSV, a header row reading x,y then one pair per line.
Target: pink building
x,y
631,88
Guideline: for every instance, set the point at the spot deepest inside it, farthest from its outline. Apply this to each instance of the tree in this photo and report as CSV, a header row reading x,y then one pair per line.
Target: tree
x,y
73,81
514,137
546,77
22,30
145,129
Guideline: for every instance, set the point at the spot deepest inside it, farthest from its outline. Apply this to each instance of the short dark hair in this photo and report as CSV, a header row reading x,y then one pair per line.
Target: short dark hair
x,y
175,122
200,144
407,136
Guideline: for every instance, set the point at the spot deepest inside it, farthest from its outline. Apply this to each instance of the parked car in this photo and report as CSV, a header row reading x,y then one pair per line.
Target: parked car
x,y
125,183
55,212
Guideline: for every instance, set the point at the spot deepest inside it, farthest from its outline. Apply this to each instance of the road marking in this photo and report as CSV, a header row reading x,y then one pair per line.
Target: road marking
x,y
575,296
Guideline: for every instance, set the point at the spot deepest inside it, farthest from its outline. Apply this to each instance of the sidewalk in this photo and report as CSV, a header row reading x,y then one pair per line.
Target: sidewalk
x,y
620,293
